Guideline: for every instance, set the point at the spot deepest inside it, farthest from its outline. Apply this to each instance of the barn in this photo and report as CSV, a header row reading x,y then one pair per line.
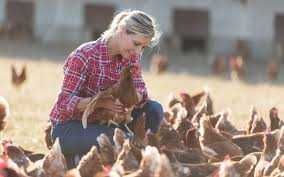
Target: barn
x,y
203,26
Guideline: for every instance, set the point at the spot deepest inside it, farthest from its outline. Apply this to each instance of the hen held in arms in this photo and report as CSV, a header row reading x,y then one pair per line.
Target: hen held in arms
x,y
124,92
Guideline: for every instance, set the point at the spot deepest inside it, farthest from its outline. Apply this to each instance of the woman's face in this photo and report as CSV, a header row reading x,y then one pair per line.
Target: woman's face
x,y
132,44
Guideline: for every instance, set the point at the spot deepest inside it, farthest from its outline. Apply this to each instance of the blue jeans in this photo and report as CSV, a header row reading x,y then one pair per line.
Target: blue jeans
x,y
76,140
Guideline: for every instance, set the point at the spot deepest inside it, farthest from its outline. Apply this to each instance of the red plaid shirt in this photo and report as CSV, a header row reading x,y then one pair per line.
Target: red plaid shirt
x,y
88,70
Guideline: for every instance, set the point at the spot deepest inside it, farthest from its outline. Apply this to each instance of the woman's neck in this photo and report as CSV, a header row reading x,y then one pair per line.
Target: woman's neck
x,y
112,47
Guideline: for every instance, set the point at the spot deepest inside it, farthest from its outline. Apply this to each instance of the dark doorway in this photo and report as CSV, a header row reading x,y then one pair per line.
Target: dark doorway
x,y
192,26
19,21
97,18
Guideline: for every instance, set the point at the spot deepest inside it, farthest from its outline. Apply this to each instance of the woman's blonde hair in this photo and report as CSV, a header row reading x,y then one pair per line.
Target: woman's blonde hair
x,y
135,22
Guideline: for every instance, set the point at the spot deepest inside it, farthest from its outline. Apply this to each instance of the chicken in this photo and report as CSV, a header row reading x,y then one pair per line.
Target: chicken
x,y
279,152
258,125
177,113
18,79
138,126
47,135
242,46
279,171
213,144
249,143
123,91
106,149
193,155
237,67
270,144
118,139
4,112
275,121
54,163
90,164
169,138
253,115
219,65
164,167
126,161
225,125
243,168
8,168
159,64
16,154
272,70
149,163
172,100
191,140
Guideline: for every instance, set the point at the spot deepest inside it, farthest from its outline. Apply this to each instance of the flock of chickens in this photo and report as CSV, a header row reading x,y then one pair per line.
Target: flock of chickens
x,y
193,141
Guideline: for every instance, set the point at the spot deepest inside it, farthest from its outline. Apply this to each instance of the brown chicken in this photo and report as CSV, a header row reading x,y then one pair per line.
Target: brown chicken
x,y
123,91
90,164
241,46
213,144
159,64
279,152
149,163
54,163
172,100
118,139
237,67
16,154
270,145
164,167
243,168
106,149
126,160
272,70
258,125
275,121
249,143
4,112
18,78
279,171
253,115
47,135
224,125
8,168
218,66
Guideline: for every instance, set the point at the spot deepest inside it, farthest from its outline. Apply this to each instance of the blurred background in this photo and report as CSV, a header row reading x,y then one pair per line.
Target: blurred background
x,y
213,30
234,48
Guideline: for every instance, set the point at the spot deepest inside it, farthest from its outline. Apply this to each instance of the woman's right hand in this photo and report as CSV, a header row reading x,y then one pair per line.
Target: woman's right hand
x,y
111,104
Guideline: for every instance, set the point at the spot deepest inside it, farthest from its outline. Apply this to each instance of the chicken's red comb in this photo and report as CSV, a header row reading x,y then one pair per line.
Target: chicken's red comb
x,y
3,164
183,93
107,169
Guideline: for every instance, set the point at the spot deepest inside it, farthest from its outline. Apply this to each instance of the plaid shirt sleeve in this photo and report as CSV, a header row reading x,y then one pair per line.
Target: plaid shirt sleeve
x,y
75,69
138,79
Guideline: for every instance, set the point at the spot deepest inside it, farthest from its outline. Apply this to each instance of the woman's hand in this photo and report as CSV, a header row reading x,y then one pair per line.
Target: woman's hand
x,y
112,104
105,102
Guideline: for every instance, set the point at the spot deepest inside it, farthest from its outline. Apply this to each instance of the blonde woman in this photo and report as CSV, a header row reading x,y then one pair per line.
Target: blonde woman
x,y
96,65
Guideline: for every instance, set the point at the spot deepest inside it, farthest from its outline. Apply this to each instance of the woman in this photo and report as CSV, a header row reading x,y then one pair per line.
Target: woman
x,y
95,66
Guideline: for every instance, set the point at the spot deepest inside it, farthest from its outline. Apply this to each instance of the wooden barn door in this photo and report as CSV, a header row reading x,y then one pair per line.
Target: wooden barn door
x,y
19,19
193,28
98,17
